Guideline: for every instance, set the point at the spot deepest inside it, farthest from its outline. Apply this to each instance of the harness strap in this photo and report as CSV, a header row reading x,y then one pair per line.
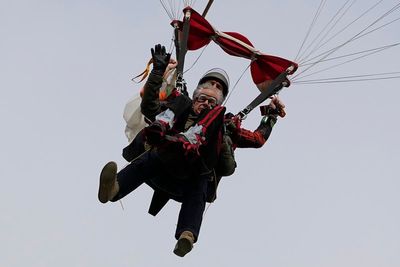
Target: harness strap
x,y
203,124
210,117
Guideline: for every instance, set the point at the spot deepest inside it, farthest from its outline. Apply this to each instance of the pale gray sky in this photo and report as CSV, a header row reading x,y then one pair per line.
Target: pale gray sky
x,y
322,192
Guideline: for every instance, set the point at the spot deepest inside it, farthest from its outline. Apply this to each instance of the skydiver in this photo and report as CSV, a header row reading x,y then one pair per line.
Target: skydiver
x,y
189,163
193,155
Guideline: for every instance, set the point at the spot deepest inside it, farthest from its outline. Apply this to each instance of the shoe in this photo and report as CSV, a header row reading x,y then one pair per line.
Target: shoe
x,y
108,187
184,244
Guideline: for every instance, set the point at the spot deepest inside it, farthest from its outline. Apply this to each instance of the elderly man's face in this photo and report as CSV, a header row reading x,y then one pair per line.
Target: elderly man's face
x,y
208,98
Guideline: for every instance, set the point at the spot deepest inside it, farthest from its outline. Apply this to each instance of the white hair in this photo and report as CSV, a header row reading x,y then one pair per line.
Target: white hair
x,y
208,85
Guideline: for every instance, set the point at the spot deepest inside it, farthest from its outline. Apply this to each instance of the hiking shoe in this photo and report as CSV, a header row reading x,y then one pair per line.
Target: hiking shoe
x,y
184,244
108,187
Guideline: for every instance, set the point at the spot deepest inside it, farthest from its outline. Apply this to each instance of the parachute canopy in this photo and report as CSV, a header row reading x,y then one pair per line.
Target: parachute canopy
x,y
263,67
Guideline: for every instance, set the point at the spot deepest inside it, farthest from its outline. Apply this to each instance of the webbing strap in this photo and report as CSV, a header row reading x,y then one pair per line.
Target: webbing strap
x,y
210,117
183,42
272,89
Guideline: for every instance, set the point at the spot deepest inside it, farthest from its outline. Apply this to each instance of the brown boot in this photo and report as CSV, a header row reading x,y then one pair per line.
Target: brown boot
x,y
108,187
184,244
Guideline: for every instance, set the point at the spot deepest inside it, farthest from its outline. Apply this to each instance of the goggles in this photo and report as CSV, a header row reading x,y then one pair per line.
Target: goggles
x,y
212,101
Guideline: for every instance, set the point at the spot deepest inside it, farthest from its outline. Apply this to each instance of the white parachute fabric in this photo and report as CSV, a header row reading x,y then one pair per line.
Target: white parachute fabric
x,y
133,117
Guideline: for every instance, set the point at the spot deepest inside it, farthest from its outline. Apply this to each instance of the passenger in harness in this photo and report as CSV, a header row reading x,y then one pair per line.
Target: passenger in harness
x,y
186,140
190,162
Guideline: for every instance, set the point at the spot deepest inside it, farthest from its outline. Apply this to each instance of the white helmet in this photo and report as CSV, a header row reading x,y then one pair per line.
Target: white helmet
x,y
217,74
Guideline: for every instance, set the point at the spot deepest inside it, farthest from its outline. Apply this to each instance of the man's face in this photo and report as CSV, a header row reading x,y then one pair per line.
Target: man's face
x,y
208,98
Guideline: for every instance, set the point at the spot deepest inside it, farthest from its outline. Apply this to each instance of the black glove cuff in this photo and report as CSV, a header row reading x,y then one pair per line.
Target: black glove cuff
x,y
158,72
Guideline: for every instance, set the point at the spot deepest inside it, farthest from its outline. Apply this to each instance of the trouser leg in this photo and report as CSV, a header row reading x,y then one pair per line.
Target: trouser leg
x,y
192,208
136,173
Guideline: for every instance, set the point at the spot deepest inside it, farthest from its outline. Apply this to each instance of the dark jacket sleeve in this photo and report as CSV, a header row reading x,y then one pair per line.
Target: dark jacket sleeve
x,y
246,138
150,105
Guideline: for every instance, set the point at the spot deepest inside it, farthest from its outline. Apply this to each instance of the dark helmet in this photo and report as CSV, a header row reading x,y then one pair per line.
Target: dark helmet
x,y
219,75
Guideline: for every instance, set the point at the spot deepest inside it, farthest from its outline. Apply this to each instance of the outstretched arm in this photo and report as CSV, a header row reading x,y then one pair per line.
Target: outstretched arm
x,y
256,139
245,138
150,105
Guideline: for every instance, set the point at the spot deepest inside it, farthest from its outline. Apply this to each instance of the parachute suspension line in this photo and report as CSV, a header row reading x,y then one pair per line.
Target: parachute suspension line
x,y
172,44
355,37
197,59
381,48
320,7
352,78
362,35
236,83
173,8
168,9
374,51
336,17
378,49
177,7
190,3
179,41
340,31
378,28
122,204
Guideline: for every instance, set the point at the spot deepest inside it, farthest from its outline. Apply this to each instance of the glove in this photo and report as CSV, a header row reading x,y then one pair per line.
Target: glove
x,y
160,59
274,109
155,132
232,125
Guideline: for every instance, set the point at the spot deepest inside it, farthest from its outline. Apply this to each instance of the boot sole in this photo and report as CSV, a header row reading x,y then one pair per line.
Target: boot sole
x,y
107,180
183,247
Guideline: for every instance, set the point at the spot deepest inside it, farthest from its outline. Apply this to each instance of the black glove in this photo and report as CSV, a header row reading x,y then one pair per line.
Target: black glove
x,y
232,126
155,132
268,110
160,59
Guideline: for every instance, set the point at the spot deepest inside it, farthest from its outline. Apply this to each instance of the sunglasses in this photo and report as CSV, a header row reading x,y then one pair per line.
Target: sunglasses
x,y
203,98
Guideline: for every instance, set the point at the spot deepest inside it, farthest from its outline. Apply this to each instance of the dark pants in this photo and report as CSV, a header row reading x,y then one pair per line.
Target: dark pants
x,y
194,190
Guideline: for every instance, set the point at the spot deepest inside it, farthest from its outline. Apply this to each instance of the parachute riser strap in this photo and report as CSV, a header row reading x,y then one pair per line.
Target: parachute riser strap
x,y
176,24
207,8
210,117
277,84
183,41
176,34
204,123
180,84
181,49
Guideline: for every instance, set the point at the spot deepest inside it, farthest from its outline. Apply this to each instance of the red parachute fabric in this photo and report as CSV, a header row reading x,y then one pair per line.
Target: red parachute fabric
x,y
263,67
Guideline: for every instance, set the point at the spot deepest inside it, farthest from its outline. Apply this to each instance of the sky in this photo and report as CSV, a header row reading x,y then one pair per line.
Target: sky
x,y
322,192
